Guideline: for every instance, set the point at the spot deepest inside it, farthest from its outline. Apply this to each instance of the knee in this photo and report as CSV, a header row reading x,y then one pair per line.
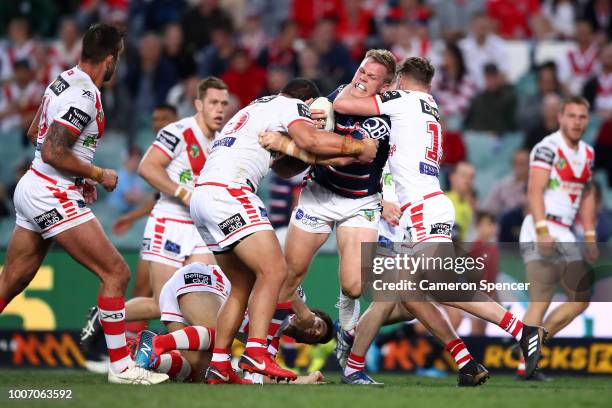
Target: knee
x,y
352,289
117,275
580,307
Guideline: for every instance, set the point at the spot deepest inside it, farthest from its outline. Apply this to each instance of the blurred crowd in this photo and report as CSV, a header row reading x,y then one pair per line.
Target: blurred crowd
x,y
256,46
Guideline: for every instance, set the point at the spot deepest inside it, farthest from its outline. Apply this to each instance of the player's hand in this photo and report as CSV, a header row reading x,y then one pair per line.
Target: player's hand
x,y
271,141
90,194
109,179
591,252
391,213
122,224
546,245
369,151
319,117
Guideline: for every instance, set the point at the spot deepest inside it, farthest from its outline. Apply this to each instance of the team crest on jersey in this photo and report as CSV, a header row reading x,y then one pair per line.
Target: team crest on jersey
x,y
185,176
236,125
387,179
561,163
90,141
369,215
194,150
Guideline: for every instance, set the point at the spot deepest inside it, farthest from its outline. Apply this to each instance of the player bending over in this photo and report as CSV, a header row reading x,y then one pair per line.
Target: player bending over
x,y
233,220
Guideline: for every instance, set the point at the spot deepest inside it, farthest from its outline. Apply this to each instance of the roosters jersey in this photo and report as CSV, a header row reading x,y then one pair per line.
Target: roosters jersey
x,y
357,180
73,101
236,156
570,170
187,148
415,144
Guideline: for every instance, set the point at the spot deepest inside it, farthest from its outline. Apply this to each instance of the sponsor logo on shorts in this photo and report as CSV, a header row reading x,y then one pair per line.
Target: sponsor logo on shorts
x,y
263,212
232,224
440,229
306,219
81,204
194,277
45,220
428,169
146,244
172,247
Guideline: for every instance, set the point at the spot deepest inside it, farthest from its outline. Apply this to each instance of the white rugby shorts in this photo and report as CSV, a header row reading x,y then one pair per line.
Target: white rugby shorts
x,y
429,219
566,249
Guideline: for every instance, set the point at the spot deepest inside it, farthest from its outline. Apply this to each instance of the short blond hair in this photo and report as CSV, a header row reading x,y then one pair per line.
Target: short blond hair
x,y
384,58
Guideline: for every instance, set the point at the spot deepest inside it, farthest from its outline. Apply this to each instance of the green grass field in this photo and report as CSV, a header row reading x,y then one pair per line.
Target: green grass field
x,y
408,391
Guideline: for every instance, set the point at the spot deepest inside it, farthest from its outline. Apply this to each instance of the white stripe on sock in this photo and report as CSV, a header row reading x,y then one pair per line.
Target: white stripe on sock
x,y
181,339
115,341
119,366
165,362
204,337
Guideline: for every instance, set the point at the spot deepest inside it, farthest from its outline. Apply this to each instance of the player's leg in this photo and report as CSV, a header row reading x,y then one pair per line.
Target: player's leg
x,y
104,260
349,241
300,248
25,253
543,278
141,289
174,363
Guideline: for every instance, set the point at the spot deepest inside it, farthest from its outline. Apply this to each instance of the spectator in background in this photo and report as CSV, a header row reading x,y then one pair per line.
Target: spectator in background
x,y
484,247
561,14
598,89
276,78
182,96
309,68
411,40
387,34
493,109
252,36
334,59
131,191
160,13
451,17
410,11
163,115
509,193
19,46
199,21
453,150
150,79
245,78
452,86
604,216
547,122
19,100
547,83
307,13
603,149
281,50
20,170
174,53
581,61
4,202
46,68
598,12
513,17
355,26
119,108
482,47
67,48
462,195
215,58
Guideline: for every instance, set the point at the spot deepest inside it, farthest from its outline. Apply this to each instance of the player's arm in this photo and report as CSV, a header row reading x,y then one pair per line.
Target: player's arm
x,y
538,180
152,168
345,103
588,213
277,142
57,152
124,223
33,129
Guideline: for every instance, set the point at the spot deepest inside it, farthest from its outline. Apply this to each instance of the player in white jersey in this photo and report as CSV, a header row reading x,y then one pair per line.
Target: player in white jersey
x,y
233,220
559,189
414,157
171,166
51,199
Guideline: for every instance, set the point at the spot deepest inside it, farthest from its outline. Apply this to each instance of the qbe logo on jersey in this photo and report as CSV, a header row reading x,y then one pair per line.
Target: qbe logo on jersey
x,y
45,220
232,224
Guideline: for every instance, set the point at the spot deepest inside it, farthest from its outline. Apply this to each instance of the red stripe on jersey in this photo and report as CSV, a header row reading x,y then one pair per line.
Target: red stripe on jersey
x,y
194,152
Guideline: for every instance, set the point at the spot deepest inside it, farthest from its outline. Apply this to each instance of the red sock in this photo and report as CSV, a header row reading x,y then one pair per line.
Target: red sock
x,y
256,347
354,364
136,327
173,364
221,358
197,338
112,320
282,311
520,370
459,352
511,324
3,304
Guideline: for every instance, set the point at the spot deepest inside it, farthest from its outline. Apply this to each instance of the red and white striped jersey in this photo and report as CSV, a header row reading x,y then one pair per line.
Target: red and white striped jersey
x,y
187,148
570,170
73,101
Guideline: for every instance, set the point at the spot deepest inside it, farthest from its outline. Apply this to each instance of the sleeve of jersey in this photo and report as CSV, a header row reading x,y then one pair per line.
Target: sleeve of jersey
x,y
167,142
542,157
76,116
296,112
388,103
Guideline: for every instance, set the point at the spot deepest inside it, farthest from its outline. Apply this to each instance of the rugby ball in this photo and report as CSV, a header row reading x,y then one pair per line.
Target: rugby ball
x,y
325,105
